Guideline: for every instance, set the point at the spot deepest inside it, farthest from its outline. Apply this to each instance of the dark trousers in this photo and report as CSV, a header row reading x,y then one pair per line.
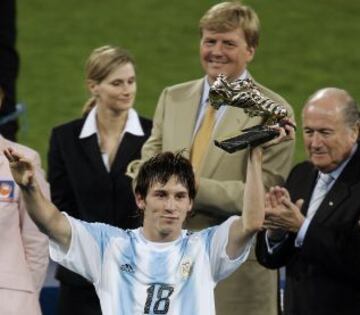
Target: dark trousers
x,y
78,300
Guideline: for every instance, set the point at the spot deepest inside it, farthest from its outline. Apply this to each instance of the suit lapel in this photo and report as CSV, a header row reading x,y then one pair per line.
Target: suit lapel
x,y
91,149
129,146
186,111
341,189
307,187
332,202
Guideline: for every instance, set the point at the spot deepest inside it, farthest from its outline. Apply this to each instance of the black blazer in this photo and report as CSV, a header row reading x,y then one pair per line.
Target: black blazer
x,y
81,185
323,276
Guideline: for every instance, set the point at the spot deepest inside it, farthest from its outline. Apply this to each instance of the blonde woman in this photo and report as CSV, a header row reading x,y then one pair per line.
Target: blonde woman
x,y
88,158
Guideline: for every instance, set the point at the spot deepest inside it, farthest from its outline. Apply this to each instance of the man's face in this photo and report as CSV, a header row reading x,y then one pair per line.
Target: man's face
x,y
165,209
226,53
327,138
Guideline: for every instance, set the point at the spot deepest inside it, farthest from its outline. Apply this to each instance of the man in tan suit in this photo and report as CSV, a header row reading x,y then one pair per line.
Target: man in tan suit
x,y
229,37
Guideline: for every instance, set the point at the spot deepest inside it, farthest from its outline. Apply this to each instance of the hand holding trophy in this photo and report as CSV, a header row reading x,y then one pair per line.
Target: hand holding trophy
x,y
244,94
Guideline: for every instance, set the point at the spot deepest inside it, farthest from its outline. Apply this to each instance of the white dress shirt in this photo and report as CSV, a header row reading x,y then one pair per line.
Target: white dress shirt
x,y
90,127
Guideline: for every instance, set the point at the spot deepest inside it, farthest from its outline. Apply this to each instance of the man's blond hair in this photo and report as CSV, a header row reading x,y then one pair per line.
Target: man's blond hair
x,y
227,16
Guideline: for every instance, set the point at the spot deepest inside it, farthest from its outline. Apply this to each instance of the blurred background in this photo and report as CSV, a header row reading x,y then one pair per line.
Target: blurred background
x,y
304,45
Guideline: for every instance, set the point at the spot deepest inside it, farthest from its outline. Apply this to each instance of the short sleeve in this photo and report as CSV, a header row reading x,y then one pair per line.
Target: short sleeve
x,y
222,266
83,255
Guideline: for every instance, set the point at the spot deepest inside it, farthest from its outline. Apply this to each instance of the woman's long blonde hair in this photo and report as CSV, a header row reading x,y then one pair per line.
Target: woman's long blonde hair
x,y
101,62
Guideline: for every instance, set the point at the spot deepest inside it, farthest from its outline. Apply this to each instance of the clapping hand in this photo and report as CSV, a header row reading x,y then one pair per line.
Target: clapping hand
x,y
281,213
21,168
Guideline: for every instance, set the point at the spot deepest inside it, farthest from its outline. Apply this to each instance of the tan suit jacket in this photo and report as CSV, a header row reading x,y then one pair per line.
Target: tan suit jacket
x,y
24,249
253,290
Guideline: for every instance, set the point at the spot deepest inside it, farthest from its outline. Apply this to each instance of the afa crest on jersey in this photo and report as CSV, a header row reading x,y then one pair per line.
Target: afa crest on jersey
x,y
186,267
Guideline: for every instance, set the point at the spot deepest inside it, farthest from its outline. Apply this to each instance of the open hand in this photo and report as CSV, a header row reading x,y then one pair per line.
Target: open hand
x,y
21,168
281,213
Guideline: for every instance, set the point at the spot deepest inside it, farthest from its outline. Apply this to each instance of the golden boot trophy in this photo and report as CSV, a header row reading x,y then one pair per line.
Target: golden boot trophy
x,y
244,94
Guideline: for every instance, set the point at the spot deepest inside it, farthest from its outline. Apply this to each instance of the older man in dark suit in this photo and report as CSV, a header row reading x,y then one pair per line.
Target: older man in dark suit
x,y
313,224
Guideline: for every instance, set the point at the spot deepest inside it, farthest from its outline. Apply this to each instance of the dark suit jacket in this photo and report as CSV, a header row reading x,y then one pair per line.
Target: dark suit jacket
x,y
323,276
81,185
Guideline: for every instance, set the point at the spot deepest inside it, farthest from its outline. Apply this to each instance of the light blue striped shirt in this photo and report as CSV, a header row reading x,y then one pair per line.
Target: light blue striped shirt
x,y
134,276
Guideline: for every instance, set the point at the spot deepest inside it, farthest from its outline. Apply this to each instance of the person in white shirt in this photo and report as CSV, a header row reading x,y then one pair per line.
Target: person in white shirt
x,y
158,268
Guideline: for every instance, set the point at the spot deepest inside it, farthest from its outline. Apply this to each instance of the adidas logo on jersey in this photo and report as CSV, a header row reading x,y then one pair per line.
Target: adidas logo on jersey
x,y
127,268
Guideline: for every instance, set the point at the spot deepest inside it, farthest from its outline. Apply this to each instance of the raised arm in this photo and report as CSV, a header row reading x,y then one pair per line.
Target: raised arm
x,y
36,244
241,231
45,215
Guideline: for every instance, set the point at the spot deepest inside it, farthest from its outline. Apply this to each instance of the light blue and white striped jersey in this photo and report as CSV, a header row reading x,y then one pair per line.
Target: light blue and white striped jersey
x,y
134,276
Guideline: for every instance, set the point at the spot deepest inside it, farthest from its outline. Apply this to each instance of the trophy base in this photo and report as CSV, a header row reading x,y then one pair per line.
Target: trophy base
x,y
251,137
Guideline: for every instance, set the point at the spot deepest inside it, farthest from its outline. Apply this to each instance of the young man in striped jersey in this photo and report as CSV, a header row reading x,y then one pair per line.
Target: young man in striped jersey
x,y
158,268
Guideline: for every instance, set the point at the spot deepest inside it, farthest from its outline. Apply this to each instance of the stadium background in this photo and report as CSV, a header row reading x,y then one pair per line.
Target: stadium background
x,y
304,45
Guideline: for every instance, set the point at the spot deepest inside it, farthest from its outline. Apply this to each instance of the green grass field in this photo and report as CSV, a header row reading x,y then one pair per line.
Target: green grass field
x,y
304,45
